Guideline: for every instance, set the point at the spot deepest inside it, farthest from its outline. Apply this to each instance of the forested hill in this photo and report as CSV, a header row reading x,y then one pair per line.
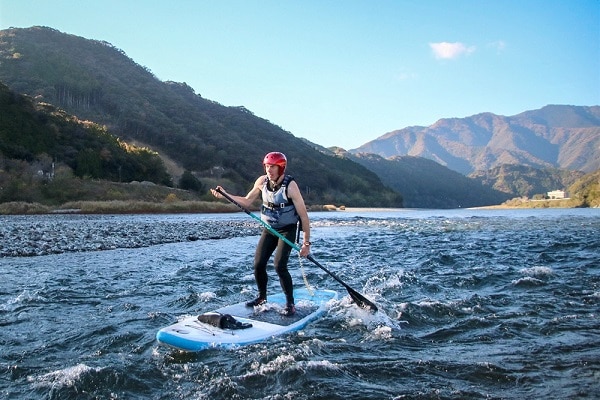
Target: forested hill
x,y
427,184
39,142
95,81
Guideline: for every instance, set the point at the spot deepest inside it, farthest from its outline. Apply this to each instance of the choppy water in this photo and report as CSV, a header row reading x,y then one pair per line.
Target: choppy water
x,y
474,304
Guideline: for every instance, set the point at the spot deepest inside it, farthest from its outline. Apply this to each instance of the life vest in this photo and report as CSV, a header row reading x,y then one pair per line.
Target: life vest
x,y
277,210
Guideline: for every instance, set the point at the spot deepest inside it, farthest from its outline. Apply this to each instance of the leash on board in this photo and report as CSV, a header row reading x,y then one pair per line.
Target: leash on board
x,y
304,278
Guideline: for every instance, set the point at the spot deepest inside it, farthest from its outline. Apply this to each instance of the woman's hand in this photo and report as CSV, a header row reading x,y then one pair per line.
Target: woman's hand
x,y
305,249
216,193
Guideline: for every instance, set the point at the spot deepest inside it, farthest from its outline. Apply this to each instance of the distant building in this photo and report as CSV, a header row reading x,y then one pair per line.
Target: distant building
x,y
557,194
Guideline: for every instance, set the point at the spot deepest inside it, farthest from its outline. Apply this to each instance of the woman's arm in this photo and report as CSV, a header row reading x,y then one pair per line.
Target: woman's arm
x,y
244,201
295,195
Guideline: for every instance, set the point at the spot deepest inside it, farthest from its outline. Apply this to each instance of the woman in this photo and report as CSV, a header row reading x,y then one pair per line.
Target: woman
x,y
283,206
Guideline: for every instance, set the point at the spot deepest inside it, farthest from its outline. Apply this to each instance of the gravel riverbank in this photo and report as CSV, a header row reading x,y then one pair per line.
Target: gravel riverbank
x,y
22,236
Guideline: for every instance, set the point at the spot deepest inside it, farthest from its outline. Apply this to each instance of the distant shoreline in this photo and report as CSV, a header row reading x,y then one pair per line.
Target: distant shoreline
x,y
206,207
372,209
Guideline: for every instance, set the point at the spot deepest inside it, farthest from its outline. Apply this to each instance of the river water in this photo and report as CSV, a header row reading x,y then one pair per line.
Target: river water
x,y
474,304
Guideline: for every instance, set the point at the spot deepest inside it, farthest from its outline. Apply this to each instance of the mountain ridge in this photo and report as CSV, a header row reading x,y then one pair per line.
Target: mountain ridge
x,y
554,136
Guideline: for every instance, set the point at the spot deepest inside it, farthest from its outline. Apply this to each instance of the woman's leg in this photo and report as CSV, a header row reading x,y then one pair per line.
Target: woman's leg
x,y
280,261
264,249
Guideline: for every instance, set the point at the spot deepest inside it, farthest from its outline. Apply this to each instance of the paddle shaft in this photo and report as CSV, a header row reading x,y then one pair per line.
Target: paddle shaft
x,y
357,297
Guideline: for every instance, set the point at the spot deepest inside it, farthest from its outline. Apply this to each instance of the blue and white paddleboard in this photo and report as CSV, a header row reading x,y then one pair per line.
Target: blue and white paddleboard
x,y
267,321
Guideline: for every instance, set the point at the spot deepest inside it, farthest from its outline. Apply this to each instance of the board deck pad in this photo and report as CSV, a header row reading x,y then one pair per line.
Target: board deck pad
x,y
267,321
272,311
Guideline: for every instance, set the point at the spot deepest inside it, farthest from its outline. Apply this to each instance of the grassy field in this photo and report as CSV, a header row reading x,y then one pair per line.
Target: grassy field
x,y
117,207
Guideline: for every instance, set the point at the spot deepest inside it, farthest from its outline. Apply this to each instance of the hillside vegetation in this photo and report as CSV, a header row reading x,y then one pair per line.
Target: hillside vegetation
x,y
97,82
426,184
525,181
45,154
585,192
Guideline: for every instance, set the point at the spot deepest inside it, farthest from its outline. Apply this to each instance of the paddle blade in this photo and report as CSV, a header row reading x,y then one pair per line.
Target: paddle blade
x,y
361,300
358,298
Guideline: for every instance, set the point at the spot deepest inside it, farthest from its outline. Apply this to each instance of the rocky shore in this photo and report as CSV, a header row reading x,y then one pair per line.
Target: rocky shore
x,y
26,236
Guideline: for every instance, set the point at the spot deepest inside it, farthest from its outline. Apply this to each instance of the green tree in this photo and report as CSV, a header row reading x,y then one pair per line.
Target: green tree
x,y
88,164
189,182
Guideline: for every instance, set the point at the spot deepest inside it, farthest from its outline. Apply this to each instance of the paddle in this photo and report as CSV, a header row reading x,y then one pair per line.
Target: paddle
x,y
358,298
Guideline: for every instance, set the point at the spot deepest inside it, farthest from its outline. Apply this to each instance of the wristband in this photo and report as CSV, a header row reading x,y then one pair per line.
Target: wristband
x,y
306,244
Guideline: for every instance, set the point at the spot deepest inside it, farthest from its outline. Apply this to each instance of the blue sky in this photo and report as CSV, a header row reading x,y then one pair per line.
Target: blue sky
x,y
342,73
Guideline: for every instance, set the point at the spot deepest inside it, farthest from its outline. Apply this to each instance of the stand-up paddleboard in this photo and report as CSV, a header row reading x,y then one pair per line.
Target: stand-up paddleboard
x,y
254,324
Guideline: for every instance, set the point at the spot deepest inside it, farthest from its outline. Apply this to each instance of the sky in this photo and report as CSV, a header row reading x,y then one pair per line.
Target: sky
x,y
345,72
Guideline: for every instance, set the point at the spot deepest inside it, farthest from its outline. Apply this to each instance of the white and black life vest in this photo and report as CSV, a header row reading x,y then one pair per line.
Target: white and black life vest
x,y
277,209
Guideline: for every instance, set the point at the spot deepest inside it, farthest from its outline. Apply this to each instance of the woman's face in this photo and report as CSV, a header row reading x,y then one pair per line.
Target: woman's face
x,y
272,171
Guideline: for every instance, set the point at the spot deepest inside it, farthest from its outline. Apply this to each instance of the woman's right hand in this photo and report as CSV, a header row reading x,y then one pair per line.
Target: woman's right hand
x,y
216,193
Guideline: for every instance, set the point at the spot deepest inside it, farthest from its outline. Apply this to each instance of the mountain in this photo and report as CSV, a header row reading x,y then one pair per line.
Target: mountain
x,y
97,82
555,136
427,184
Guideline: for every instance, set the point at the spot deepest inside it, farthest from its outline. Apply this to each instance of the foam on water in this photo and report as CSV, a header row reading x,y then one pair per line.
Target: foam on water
x,y
65,377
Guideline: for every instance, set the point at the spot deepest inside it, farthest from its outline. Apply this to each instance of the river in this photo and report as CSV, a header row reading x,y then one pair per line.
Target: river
x,y
473,304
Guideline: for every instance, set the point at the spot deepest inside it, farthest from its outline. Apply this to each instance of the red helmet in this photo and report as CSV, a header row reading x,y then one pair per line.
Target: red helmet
x,y
276,158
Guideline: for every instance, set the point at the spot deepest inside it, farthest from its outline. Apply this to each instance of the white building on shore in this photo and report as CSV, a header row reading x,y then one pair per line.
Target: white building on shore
x,y
557,194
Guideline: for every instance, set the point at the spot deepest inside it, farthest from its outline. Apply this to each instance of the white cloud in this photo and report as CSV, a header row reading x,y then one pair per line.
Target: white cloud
x,y
446,50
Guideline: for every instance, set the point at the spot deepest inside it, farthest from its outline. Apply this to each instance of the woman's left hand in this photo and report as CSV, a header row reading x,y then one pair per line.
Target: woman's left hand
x,y
305,250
